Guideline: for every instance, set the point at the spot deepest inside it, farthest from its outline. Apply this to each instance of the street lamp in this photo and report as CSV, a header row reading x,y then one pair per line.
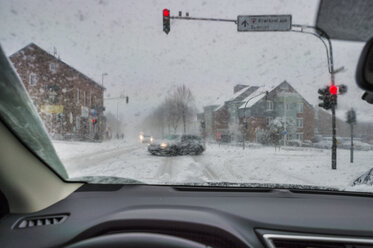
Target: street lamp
x,y
121,100
102,78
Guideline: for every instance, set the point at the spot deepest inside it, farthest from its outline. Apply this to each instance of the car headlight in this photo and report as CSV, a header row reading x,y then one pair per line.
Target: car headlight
x,y
163,145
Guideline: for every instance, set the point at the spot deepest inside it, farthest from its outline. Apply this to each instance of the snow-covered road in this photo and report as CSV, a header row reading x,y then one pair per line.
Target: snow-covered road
x,y
290,165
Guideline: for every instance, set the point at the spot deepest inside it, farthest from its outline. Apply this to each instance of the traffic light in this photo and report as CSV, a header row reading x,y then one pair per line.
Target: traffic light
x,y
333,90
351,117
94,121
342,89
166,21
127,99
326,98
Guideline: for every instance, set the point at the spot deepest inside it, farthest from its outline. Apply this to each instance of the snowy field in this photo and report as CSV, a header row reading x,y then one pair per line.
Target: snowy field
x,y
225,163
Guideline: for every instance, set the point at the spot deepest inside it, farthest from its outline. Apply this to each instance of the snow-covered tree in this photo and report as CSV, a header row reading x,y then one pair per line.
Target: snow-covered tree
x,y
275,133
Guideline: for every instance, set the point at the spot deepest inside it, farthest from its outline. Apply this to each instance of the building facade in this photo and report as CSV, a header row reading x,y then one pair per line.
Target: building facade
x,y
282,103
250,112
70,104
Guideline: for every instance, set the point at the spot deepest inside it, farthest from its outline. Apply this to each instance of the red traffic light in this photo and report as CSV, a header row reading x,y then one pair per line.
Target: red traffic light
x,y
94,121
166,12
333,89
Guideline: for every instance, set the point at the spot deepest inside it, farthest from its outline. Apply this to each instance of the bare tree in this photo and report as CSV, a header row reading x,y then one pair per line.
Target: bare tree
x,y
176,108
172,115
184,102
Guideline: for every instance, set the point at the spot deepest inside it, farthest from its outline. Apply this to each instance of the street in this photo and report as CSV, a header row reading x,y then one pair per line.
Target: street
x,y
225,163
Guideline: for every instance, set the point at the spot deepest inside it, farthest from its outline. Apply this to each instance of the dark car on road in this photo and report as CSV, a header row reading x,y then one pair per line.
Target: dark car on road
x,y
173,145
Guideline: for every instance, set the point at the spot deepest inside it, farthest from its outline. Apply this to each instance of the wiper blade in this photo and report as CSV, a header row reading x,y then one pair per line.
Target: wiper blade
x,y
258,186
105,180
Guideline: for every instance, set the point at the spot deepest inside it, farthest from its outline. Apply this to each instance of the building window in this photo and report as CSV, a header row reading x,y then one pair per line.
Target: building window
x,y
269,120
300,136
90,98
269,106
287,106
300,122
300,107
77,96
32,79
77,124
84,99
52,67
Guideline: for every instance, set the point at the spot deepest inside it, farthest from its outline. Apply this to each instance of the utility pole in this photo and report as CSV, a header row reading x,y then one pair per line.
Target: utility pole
x,y
334,145
352,144
285,108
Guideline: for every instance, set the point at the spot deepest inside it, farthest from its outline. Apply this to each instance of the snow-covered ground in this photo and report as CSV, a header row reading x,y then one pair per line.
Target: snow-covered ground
x,y
225,163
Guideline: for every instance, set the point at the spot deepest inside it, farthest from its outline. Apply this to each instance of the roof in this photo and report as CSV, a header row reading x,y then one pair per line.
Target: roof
x,y
233,97
259,94
256,96
59,60
238,93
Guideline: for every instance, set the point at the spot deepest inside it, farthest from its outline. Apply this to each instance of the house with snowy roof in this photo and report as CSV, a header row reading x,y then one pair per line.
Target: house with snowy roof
x,y
251,110
69,103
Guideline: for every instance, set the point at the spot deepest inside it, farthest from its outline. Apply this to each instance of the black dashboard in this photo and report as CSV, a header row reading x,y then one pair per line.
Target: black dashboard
x,y
216,217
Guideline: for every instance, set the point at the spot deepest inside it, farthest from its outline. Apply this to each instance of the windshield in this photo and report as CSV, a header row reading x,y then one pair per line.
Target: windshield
x,y
141,91
172,137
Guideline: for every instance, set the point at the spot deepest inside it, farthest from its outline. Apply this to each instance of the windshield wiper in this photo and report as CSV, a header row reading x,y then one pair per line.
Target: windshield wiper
x,y
229,186
105,180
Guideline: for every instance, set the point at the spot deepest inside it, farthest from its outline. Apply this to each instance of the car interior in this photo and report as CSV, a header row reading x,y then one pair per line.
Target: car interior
x,y
39,208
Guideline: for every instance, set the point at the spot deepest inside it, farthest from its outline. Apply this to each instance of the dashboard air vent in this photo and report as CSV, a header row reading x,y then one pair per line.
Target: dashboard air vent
x,y
311,241
41,221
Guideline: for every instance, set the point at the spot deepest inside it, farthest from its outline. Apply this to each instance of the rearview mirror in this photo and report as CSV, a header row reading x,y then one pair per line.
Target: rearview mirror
x,y
364,71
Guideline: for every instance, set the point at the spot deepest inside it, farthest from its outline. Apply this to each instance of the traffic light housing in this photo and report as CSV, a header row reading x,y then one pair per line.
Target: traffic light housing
x,y
326,98
342,89
166,21
127,99
328,95
94,121
351,117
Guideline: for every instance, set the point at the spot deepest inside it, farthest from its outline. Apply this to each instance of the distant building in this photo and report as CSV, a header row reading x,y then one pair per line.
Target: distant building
x,y
283,102
69,103
251,104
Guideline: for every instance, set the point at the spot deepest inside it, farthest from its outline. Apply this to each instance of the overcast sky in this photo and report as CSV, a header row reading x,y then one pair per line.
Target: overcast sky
x,y
125,40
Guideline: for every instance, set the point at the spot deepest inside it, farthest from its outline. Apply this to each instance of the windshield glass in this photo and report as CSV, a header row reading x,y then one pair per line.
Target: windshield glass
x,y
140,90
172,137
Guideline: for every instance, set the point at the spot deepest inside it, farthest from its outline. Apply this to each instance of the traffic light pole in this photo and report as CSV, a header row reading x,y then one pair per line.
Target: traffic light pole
x,y
202,19
352,144
334,101
324,37
334,145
